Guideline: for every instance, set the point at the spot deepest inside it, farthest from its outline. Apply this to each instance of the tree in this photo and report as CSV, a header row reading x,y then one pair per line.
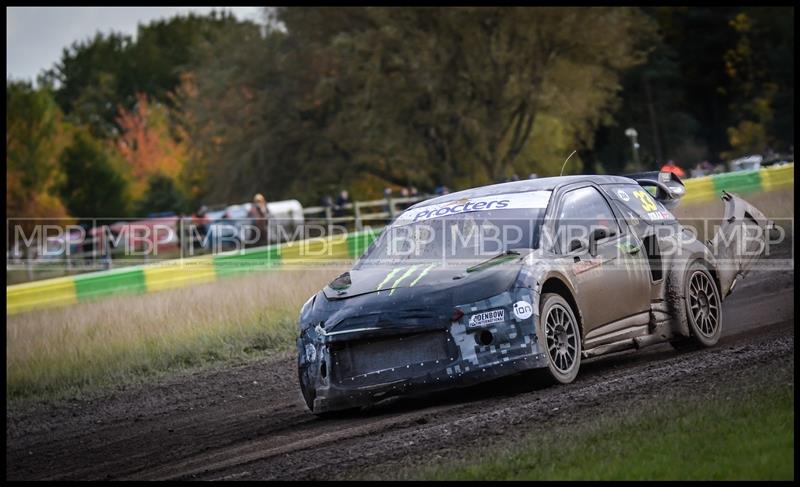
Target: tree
x,y
147,144
32,135
96,76
453,95
240,110
35,136
162,195
760,67
407,96
91,79
94,186
717,77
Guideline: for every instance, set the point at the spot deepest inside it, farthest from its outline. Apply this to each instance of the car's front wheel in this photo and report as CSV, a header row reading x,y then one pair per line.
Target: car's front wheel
x,y
560,336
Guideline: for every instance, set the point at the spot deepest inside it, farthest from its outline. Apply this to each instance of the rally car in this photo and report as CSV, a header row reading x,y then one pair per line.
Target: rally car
x,y
535,274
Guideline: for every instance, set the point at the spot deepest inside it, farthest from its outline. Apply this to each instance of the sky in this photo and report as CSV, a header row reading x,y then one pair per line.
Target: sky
x,y
36,36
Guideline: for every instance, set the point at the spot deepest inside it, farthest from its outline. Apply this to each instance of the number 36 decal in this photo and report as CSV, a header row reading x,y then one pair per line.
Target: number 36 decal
x,y
646,200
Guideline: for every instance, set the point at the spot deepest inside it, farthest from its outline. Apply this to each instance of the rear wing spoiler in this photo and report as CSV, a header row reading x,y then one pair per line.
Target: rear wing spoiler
x,y
669,188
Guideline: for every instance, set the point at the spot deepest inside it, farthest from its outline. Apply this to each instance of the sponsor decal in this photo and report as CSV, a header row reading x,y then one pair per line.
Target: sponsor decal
x,y
623,195
487,318
659,215
523,310
402,278
532,199
407,273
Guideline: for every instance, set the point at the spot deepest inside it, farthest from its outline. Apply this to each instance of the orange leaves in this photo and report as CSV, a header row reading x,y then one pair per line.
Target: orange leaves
x,y
147,143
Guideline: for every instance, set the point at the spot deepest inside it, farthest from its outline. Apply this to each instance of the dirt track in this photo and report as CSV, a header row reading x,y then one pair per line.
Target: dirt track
x,y
249,422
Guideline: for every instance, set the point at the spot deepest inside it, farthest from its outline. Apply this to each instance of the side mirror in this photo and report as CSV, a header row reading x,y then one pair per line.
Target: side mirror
x,y
597,234
574,245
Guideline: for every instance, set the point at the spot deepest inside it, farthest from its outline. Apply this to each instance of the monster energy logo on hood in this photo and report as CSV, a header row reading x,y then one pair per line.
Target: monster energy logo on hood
x,y
409,272
531,199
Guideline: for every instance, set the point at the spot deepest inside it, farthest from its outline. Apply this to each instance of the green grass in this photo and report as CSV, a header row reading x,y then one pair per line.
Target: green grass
x,y
732,435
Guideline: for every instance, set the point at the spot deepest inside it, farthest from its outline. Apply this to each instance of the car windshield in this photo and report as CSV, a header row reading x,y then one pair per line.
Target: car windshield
x,y
461,232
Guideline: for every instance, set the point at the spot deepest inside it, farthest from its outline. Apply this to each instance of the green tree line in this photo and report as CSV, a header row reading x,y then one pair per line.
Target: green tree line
x,y
210,109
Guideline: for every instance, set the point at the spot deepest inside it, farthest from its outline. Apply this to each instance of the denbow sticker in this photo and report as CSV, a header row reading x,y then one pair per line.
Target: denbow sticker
x,y
487,318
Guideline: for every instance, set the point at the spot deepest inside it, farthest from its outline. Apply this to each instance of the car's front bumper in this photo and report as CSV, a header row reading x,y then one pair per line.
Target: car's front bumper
x,y
338,373
424,379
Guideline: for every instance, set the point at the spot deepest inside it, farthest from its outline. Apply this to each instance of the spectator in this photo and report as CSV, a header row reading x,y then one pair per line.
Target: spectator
x,y
697,171
259,216
670,166
441,190
199,225
341,202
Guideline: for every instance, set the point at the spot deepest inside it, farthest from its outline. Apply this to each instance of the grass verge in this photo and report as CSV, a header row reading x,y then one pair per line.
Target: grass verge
x,y
743,432
125,340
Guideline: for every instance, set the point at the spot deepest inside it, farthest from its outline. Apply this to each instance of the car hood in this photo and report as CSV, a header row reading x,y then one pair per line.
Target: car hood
x,y
500,270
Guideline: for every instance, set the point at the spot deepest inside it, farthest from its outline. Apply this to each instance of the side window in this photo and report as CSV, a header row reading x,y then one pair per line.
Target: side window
x,y
582,211
637,204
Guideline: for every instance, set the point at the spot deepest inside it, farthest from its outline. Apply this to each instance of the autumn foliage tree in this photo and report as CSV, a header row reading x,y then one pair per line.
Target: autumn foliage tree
x,y
35,136
149,145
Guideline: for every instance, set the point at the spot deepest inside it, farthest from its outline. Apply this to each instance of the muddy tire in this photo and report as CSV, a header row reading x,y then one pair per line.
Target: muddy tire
x,y
559,334
307,392
703,309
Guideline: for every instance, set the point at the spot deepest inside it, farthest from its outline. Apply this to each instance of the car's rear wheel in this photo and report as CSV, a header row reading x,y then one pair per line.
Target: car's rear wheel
x,y
560,337
703,309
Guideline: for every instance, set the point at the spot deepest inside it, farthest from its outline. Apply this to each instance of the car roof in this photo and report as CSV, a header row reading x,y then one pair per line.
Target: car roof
x,y
525,185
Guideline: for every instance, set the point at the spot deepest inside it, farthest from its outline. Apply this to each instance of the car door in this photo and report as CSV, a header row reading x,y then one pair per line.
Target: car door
x,y
612,284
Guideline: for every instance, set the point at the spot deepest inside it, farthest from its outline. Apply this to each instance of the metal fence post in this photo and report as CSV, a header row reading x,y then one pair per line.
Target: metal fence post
x,y
328,216
357,210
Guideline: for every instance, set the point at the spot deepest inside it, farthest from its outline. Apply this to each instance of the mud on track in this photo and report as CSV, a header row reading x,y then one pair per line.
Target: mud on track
x,y
249,422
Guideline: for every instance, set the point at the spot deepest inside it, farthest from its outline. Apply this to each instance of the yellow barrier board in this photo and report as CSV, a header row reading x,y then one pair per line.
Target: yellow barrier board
x,y
777,177
698,189
50,293
171,275
315,249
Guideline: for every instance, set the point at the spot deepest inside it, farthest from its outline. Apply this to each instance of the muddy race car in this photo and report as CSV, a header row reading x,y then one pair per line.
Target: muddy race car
x,y
535,274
